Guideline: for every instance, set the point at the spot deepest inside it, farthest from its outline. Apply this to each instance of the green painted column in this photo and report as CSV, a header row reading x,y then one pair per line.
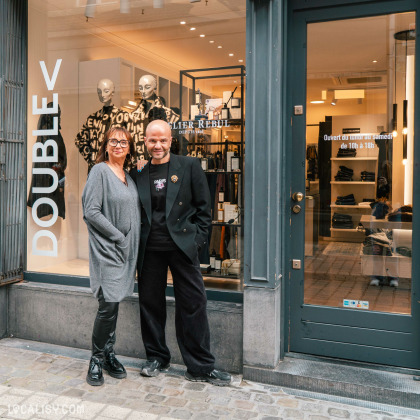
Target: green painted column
x,y
266,195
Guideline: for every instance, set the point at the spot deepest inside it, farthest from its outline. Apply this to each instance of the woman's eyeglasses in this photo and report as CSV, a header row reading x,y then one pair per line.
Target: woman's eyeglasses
x,y
114,142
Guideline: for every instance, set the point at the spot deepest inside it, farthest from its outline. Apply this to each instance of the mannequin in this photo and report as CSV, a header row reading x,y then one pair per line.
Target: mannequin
x,y
151,107
90,137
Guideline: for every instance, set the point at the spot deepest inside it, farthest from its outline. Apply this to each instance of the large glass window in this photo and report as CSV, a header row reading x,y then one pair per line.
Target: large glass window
x,y
359,163
99,64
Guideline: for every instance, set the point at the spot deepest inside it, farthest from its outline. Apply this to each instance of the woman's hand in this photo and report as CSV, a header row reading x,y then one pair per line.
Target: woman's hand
x,y
141,164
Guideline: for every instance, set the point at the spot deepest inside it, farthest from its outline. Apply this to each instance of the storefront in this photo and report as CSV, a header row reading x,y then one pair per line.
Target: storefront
x,y
303,116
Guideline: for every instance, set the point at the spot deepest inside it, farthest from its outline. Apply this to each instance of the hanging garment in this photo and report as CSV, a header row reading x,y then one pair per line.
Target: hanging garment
x,y
89,139
312,158
145,113
45,180
324,153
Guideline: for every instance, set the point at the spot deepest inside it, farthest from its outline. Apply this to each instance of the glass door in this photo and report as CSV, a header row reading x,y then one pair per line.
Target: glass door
x,y
354,296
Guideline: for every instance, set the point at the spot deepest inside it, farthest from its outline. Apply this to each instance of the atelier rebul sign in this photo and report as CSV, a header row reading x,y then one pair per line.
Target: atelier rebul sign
x,y
40,155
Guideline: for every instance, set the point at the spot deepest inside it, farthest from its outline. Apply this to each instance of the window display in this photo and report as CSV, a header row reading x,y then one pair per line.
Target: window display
x,y
108,68
360,135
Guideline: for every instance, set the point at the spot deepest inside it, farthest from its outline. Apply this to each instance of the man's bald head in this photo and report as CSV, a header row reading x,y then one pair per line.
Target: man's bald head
x,y
158,141
158,126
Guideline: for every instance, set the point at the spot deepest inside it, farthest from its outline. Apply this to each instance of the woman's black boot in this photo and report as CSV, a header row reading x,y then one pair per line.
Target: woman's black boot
x,y
111,364
95,376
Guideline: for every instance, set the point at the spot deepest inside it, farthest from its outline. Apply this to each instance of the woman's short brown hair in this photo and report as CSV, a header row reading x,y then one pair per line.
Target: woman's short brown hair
x,y
101,153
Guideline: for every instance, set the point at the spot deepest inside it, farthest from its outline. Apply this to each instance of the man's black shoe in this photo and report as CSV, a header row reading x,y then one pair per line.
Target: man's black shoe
x,y
113,366
152,368
215,377
94,376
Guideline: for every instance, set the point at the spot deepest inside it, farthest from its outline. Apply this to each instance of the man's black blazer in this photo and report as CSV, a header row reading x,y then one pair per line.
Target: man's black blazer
x,y
188,214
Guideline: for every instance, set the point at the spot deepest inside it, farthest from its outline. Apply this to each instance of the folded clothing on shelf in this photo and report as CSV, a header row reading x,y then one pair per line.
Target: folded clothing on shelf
x,y
404,250
380,209
403,214
342,221
346,153
368,176
346,200
377,242
344,174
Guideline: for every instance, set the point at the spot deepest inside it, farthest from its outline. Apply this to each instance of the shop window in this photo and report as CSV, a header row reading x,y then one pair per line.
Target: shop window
x,y
359,163
101,64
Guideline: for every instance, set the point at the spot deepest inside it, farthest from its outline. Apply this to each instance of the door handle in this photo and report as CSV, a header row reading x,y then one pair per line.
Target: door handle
x,y
297,196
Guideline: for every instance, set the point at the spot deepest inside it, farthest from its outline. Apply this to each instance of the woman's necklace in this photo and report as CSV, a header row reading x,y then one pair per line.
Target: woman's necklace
x,y
119,172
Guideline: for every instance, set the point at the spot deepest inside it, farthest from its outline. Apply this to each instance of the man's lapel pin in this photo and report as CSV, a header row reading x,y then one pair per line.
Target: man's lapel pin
x,y
174,178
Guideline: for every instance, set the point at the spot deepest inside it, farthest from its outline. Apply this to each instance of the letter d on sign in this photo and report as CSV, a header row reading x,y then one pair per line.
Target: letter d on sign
x,y
45,253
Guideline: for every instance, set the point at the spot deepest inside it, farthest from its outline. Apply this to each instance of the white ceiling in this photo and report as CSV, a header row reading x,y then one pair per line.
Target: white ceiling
x,y
149,31
350,47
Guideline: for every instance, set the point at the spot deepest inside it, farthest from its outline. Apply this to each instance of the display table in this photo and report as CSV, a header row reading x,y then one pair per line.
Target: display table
x,y
369,221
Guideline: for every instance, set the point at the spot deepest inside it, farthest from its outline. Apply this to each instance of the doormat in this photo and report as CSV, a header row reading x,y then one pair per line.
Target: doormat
x,y
342,248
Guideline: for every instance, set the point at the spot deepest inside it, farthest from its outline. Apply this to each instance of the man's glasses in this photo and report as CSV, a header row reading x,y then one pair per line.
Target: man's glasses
x,y
114,142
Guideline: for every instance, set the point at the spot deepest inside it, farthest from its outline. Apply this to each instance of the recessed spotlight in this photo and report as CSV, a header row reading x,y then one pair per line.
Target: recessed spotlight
x,y
211,42
241,61
230,55
202,36
192,29
374,61
219,46
183,22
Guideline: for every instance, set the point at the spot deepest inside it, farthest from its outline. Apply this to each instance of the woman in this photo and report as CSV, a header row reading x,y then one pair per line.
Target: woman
x,y
111,210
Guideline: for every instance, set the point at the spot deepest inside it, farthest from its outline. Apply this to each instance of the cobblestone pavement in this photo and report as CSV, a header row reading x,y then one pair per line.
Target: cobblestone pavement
x,y
47,385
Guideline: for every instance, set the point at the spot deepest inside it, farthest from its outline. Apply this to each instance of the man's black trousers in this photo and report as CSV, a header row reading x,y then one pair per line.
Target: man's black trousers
x,y
192,327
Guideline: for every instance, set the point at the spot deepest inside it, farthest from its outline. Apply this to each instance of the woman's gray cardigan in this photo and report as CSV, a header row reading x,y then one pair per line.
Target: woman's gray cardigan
x,y
111,211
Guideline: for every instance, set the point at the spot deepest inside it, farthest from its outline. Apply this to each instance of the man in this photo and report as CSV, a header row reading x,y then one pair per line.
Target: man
x,y
175,205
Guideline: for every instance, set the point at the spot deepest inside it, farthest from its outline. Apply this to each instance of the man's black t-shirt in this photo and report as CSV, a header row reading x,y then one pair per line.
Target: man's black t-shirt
x,y
159,237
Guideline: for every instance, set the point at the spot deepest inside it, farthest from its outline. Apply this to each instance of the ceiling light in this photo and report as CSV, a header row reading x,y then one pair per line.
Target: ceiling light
x,y
90,8
241,61
183,22
195,1
230,55
333,102
219,46
202,36
374,61
317,102
349,94
211,42
192,29
405,107
394,120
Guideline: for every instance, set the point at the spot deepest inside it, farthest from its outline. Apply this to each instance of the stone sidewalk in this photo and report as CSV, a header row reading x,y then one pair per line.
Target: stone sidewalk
x,y
41,381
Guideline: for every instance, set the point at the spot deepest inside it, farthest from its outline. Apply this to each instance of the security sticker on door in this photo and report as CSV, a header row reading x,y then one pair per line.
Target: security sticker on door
x,y
359,304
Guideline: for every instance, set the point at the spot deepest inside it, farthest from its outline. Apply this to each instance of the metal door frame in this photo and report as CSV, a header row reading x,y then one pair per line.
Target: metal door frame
x,y
313,319
13,99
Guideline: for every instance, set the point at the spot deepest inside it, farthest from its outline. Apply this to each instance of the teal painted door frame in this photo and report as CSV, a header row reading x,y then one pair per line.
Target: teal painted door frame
x,y
374,337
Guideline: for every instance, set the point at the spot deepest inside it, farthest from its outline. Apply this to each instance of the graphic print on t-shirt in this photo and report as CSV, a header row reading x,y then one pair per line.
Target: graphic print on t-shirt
x,y
160,184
